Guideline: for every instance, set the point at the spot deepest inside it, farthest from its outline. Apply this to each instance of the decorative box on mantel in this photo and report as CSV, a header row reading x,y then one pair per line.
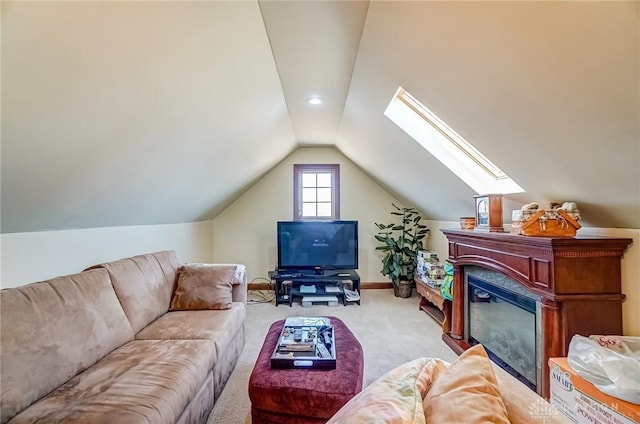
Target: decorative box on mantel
x,y
555,223
576,283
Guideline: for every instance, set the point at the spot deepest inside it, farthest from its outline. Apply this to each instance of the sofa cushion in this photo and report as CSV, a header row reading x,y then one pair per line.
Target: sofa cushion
x,y
144,381
53,330
201,404
202,286
396,397
469,389
144,284
219,326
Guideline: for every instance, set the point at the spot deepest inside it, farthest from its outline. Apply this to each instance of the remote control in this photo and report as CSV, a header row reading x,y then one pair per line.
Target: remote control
x,y
323,352
290,275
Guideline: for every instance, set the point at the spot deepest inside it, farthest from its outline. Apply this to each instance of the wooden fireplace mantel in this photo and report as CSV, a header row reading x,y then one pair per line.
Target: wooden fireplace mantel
x,y
578,280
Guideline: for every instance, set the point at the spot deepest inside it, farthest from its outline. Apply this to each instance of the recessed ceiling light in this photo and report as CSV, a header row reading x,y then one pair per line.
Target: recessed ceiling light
x,y
315,100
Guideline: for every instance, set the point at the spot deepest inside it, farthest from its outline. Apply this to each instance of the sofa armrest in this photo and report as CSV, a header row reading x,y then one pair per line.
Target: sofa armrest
x,y
239,293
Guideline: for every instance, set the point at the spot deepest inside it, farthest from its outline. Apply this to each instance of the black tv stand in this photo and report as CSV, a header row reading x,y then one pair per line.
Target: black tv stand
x,y
285,293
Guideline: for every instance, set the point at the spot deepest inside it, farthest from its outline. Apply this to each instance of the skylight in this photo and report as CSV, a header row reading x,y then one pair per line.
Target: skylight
x,y
457,154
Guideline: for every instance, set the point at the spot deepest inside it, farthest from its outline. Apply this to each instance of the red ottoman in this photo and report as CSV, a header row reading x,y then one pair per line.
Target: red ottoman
x,y
301,396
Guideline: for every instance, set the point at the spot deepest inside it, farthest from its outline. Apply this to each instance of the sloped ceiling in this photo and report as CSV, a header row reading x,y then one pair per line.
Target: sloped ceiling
x,y
129,113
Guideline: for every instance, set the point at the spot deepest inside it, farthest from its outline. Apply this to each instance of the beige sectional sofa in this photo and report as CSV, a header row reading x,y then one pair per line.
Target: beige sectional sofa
x,y
103,346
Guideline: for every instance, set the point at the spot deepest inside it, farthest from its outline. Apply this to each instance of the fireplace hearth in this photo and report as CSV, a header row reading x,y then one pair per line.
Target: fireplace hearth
x,y
552,287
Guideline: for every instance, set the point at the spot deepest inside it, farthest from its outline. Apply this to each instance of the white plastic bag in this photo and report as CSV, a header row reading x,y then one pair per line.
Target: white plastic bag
x,y
611,363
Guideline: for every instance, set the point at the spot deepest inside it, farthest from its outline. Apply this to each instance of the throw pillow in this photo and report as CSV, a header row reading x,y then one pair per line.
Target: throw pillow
x,y
467,392
202,286
394,398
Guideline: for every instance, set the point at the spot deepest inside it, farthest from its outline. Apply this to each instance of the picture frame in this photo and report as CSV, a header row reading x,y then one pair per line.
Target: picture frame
x,y
488,213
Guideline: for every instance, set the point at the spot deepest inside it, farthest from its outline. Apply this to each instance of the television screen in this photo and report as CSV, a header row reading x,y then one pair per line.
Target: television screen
x,y
317,245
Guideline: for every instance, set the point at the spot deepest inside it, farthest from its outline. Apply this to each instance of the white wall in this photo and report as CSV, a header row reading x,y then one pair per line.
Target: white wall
x,y
630,266
246,231
31,257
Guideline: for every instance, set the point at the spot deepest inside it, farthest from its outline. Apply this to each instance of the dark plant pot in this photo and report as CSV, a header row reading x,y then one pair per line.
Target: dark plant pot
x,y
403,289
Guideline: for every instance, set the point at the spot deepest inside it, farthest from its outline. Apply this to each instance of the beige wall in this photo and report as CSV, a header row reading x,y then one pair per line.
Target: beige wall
x,y
246,231
37,256
630,275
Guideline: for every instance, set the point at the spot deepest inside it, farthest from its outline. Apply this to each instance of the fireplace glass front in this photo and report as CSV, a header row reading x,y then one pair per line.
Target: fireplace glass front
x,y
505,323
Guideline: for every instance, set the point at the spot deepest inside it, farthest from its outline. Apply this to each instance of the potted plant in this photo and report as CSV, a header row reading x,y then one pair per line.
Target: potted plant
x,y
401,242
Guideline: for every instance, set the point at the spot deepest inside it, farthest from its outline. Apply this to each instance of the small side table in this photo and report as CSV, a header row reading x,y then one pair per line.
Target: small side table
x,y
436,306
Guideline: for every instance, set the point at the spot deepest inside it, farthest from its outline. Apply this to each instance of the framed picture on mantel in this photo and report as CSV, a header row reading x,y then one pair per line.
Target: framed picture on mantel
x,y
489,213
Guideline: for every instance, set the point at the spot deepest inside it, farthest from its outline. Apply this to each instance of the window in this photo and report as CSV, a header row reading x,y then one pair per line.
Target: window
x,y
456,153
316,191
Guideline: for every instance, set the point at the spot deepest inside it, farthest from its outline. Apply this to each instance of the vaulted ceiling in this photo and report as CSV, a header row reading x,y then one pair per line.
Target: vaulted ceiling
x,y
130,113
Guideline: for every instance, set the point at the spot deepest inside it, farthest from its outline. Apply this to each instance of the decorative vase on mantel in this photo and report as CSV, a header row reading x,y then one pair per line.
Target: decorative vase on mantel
x,y
403,288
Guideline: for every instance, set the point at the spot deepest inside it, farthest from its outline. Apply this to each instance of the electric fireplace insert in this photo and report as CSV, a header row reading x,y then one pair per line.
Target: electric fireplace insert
x,y
504,318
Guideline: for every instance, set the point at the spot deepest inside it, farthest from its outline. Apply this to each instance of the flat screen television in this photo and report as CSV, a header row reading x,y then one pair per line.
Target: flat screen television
x,y
317,245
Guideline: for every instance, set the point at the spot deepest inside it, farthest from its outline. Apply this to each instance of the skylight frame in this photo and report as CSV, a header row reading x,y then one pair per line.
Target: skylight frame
x,y
449,147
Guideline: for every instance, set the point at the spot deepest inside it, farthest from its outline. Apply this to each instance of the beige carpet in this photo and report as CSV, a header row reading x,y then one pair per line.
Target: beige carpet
x,y
391,330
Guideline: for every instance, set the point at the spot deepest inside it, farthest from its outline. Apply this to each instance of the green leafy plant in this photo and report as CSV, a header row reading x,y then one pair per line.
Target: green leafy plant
x,y
401,241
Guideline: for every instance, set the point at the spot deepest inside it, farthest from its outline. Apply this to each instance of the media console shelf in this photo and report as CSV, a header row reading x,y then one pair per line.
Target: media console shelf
x,y
330,278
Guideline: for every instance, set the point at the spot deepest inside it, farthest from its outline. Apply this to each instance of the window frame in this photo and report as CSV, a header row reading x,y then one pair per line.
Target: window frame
x,y
298,171
446,145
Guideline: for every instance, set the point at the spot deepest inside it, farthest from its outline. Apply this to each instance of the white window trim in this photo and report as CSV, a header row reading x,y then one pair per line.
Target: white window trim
x,y
457,154
334,170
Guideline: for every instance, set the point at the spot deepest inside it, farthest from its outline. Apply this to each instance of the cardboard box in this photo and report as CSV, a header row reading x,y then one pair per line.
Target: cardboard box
x,y
582,402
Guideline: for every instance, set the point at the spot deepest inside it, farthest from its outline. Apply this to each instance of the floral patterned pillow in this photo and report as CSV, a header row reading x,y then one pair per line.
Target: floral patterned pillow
x,y
395,398
430,391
